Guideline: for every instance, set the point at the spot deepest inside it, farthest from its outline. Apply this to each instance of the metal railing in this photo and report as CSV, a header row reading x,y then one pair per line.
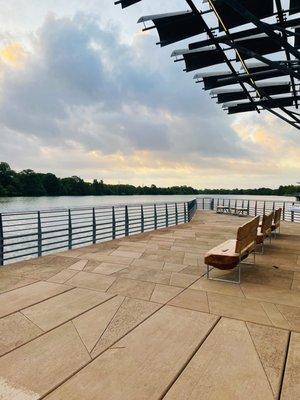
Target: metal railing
x,y
25,235
30,234
254,207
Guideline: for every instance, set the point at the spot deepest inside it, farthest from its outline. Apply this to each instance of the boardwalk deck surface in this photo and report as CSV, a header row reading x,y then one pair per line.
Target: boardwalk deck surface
x,y
137,319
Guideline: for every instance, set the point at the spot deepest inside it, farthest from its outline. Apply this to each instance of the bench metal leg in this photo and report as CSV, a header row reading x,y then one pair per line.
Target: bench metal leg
x,y
236,281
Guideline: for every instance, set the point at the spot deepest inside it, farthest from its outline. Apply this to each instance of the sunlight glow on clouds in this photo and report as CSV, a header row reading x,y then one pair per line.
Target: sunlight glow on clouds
x,y
13,54
87,102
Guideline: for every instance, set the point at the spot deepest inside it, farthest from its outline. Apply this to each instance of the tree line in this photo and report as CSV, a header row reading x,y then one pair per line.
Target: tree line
x,y
30,183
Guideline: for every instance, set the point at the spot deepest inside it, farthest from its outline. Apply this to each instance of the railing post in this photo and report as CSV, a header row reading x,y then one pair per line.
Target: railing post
x,y
248,207
70,229
283,212
203,203
126,221
155,217
1,242
113,223
167,216
142,219
255,208
264,209
185,216
212,204
94,226
176,214
39,227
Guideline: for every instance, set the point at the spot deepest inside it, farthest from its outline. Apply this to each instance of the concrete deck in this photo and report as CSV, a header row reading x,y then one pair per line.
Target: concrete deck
x,y
136,319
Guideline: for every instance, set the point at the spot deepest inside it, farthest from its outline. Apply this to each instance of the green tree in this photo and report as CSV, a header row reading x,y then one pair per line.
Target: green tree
x,y
52,185
31,183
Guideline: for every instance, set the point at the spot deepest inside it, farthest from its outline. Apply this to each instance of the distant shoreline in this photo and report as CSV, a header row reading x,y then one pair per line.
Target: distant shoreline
x,y
28,183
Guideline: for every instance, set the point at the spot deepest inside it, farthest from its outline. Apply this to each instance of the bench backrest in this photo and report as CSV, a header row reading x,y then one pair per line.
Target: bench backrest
x,y
277,216
246,236
267,224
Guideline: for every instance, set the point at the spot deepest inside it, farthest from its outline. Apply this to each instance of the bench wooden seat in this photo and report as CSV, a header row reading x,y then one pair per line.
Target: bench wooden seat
x,y
229,254
223,256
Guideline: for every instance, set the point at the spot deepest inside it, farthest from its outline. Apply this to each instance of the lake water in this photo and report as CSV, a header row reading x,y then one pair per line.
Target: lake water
x,y
44,203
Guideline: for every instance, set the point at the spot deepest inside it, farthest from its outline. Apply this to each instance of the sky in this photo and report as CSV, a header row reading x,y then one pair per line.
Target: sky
x,y
83,91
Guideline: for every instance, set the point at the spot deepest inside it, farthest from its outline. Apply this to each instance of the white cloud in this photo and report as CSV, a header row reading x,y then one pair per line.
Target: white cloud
x,y
86,101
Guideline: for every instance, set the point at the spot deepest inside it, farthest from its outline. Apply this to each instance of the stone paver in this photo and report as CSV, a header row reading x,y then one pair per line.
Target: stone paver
x,y
35,368
131,313
93,323
191,299
163,293
21,298
226,367
132,369
132,288
59,309
16,330
135,318
271,346
91,281
291,382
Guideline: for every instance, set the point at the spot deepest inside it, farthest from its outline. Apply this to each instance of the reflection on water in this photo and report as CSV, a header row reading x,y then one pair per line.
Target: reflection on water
x,y
42,203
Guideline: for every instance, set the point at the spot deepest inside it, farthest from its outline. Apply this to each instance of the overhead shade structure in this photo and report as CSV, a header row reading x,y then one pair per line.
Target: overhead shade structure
x,y
274,103
197,59
231,19
294,6
127,3
248,30
297,38
174,27
229,95
260,44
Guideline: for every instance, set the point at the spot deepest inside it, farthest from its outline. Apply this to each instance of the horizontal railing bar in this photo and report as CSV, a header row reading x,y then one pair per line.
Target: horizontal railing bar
x,y
104,207
20,256
21,249
56,248
53,237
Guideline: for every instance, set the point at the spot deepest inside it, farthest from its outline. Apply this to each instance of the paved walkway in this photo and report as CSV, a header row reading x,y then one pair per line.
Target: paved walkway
x,y
136,319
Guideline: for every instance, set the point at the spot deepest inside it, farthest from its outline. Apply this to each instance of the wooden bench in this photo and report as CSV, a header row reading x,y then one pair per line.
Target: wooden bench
x,y
264,230
240,211
276,222
223,210
231,253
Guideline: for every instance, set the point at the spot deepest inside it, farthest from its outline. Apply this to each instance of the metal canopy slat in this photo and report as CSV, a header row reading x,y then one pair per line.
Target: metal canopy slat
x,y
127,3
203,59
232,19
174,27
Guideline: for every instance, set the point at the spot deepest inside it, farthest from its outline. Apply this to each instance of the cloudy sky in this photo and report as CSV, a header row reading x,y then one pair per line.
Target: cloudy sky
x,y
84,92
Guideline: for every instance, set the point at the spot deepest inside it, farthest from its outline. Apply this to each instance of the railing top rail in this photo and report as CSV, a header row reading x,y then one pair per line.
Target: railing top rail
x,y
86,208
246,199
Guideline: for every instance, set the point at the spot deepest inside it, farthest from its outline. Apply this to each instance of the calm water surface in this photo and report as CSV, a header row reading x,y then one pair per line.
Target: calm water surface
x,y
42,203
